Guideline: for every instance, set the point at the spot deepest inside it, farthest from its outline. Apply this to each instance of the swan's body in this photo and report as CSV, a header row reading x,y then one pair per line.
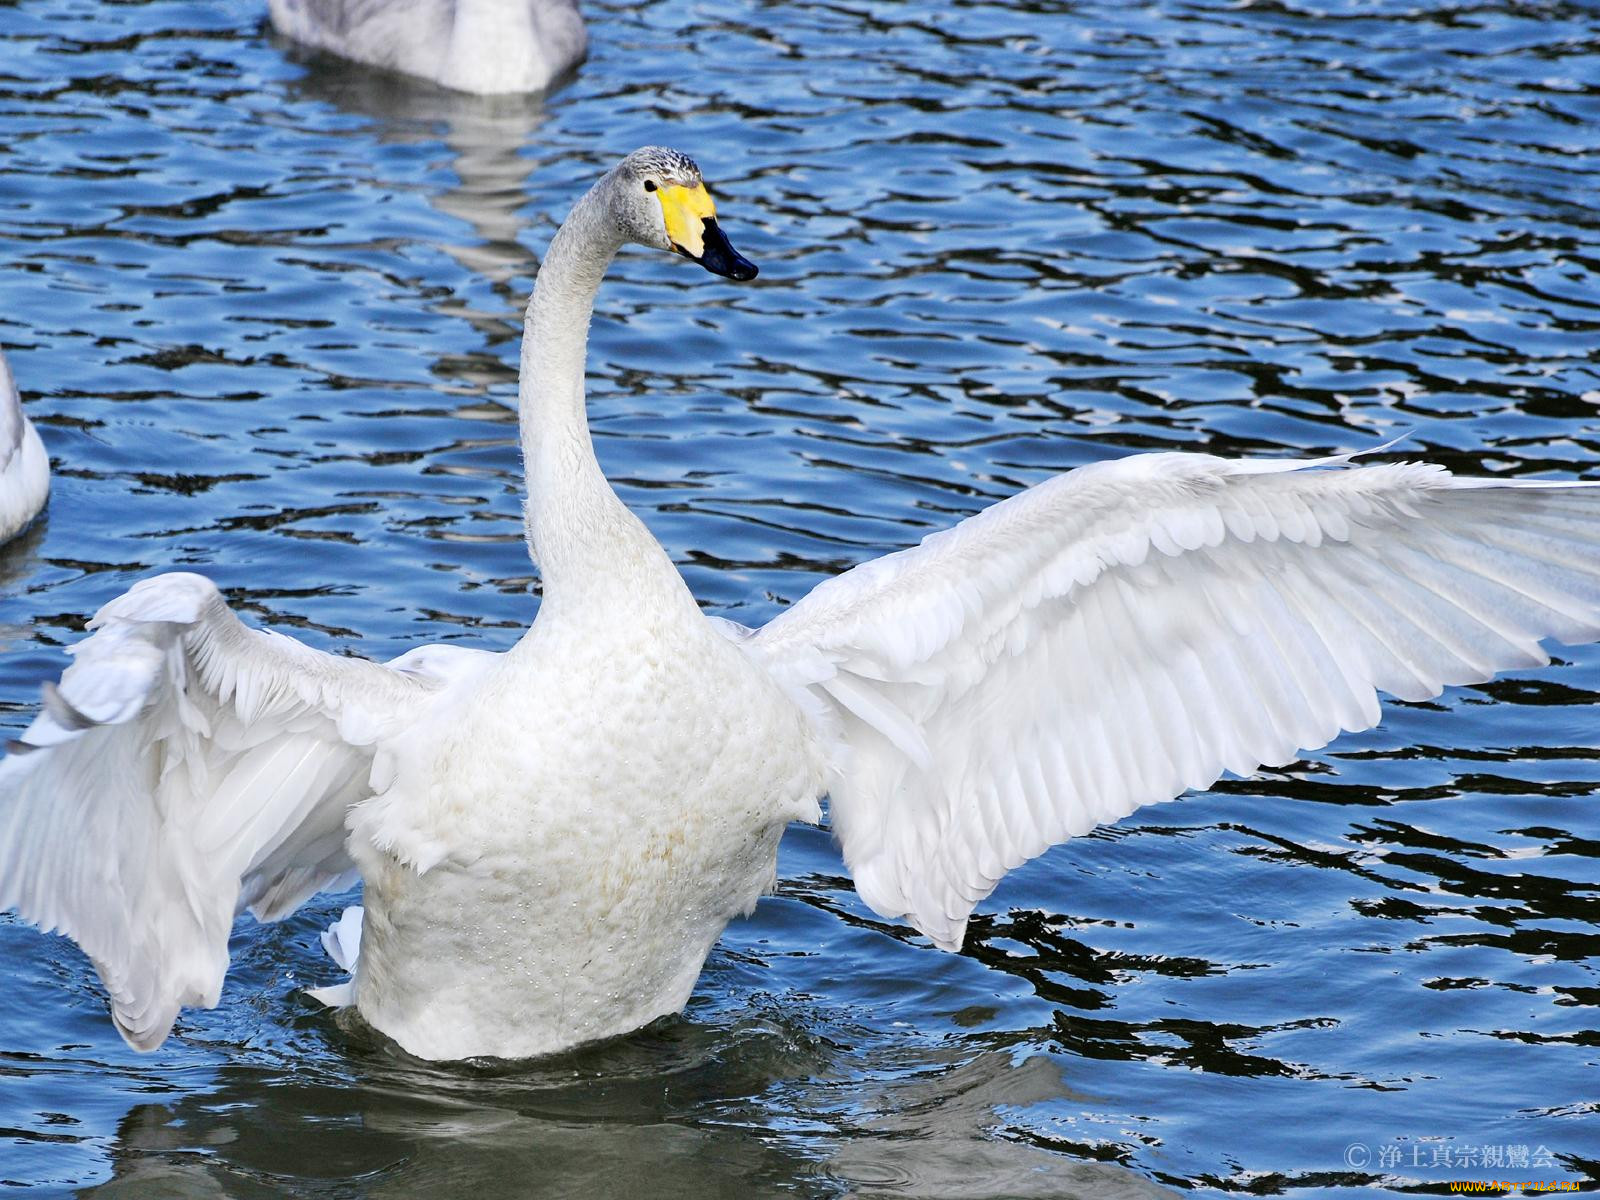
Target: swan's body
x,y
24,466
485,46
552,838
587,871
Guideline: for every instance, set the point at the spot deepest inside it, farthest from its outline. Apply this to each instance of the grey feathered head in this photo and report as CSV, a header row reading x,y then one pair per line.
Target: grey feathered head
x,y
660,199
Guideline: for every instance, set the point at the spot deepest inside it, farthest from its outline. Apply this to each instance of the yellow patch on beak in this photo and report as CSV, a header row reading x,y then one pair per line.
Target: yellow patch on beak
x,y
686,211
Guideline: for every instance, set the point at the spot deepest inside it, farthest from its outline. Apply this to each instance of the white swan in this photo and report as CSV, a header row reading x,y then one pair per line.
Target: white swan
x,y
24,466
485,46
552,838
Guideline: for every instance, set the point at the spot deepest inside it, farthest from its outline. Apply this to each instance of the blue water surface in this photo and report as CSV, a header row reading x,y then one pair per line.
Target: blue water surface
x,y
265,310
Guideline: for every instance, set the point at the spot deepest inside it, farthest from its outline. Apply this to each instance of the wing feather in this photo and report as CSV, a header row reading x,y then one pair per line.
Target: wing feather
x,y
186,767
1132,629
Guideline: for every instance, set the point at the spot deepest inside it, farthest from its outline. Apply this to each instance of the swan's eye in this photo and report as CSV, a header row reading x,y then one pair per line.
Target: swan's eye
x,y
649,185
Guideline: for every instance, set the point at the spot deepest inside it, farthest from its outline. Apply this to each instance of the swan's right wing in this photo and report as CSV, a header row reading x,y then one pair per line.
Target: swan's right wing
x,y
188,767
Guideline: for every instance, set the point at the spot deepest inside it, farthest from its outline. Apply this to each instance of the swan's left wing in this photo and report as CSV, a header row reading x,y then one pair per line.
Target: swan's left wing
x,y
1132,629
185,768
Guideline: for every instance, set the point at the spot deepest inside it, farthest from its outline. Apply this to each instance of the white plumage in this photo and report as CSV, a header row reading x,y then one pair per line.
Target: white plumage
x,y
488,47
552,838
1132,629
186,768
24,466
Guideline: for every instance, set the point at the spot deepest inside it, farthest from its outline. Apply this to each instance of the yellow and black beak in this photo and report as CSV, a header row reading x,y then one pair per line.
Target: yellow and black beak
x,y
693,230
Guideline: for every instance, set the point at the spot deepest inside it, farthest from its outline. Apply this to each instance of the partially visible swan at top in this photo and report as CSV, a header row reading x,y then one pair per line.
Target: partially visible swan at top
x,y
552,838
485,46
24,466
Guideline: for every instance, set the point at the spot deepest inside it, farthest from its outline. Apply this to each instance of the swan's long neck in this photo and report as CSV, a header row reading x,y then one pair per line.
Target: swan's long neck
x,y
591,551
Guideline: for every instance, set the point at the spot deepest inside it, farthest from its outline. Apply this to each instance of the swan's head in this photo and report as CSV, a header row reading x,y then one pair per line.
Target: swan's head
x,y
659,200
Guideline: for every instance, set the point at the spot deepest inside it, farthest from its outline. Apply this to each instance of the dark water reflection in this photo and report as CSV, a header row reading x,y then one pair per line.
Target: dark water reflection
x,y
265,311
665,1118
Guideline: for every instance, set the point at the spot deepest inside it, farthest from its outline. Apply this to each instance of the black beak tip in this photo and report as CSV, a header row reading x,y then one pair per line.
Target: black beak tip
x,y
720,258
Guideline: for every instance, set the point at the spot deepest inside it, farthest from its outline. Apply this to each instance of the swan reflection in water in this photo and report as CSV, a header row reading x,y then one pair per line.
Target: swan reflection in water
x,y
489,144
600,1119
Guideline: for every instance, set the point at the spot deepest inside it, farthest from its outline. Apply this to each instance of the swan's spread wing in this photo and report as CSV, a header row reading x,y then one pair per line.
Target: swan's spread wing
x,y
185,768
1132,629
